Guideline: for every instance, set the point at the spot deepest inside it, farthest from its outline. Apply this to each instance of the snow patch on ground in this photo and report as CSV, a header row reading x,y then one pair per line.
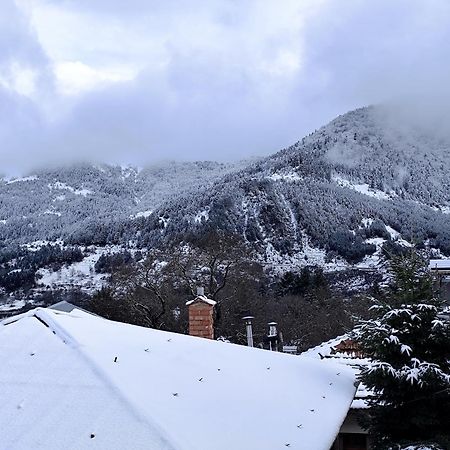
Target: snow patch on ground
x,y
366,222
142,214
291,176
404,243
307,255
17,180
12,305
202,215
372,262
80,274
63,186
364,189
394,234
356,284
37,245
164,221
55,213
377,241
128,171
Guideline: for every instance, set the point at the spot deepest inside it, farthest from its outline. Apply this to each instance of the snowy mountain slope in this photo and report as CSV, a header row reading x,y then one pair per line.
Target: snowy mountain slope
x,y
53,204
332,199
321,189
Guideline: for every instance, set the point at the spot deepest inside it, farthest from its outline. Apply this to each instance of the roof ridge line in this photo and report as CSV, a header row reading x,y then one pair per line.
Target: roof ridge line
x,y
17,317
68,339
43,315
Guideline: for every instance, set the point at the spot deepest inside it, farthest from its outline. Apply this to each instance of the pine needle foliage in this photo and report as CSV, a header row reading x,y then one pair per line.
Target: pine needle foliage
x,y
409,344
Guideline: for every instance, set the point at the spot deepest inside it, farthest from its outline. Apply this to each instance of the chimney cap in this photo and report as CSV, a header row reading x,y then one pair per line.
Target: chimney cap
x,y
200,290
248,318
201,297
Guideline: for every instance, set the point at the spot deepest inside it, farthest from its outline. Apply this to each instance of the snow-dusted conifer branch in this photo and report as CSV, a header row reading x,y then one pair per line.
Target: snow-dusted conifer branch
x,y
408,342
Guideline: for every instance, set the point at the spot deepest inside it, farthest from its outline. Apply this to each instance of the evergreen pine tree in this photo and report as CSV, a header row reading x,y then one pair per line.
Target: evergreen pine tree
x,y
409,344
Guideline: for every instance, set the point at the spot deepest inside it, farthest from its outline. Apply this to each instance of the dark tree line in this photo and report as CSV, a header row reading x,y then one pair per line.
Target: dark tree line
x,y
153,291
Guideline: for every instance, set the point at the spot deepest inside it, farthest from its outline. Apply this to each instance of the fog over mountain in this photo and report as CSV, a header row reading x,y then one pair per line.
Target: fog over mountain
x,y
324,192
217,80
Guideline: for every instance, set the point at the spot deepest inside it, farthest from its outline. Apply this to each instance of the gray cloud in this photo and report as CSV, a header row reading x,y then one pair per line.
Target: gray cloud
x,y
21,122
229,90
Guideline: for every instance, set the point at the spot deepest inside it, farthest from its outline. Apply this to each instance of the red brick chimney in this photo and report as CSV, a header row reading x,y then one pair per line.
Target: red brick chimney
x,y
201,322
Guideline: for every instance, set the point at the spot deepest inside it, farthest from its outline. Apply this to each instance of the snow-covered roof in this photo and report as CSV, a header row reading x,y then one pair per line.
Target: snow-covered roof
x,y
201,298
329,351
68,307
78,381
442,264
325,348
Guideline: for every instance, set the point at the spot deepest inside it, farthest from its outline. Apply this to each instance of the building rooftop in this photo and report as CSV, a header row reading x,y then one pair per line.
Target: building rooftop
x,y
341,350
74,380
439,264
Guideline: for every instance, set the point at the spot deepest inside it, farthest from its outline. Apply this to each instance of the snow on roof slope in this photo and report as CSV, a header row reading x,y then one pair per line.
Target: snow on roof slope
x,y
329,352
52,398
326,348
67,376
439,264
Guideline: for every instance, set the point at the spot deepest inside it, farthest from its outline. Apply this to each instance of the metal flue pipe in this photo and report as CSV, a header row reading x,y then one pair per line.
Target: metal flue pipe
x,y
248,326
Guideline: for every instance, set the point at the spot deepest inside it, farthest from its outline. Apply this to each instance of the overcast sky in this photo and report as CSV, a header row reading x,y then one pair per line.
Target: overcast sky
x,y
134,81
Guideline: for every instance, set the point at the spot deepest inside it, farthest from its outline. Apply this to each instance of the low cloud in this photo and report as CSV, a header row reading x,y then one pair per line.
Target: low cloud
x,y
223,81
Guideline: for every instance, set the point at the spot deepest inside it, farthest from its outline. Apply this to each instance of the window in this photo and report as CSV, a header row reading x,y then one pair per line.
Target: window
x,y
352,441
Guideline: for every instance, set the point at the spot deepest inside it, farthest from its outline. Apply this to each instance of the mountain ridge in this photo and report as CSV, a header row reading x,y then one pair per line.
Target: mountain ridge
x,y
408,195
332,199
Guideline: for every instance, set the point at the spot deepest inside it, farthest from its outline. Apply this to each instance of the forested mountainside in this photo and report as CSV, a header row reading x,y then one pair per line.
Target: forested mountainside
x,y
332,199
55,204
357,178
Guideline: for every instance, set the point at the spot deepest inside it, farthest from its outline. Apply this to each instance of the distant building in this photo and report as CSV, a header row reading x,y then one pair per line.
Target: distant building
x,y
440,269
73,380
291,349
